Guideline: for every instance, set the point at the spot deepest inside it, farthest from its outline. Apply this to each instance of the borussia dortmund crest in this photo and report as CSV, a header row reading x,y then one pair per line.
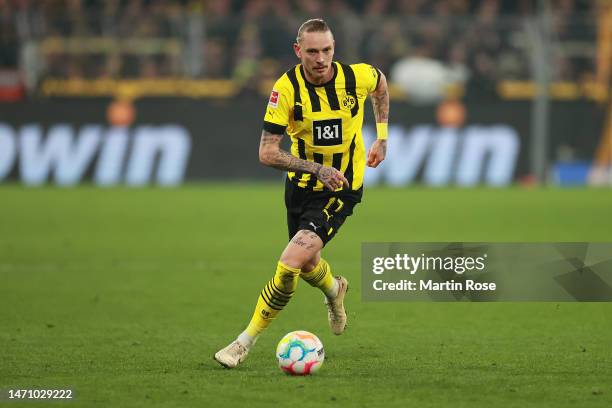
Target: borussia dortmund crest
x,y
349,102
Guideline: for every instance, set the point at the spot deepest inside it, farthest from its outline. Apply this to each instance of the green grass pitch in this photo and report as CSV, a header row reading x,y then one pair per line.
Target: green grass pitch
x,y
124,295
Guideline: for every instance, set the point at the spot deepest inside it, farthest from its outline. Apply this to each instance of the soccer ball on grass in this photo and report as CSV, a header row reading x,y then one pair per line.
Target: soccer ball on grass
x,y
300,353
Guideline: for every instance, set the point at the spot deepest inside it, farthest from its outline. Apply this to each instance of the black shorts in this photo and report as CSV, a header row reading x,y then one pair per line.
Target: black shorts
x,y
322,212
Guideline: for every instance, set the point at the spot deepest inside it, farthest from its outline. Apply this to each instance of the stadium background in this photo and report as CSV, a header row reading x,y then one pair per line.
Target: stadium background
x,y
124,293
538,69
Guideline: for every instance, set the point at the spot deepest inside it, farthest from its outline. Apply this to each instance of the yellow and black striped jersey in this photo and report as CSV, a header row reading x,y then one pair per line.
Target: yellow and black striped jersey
x,y
323,121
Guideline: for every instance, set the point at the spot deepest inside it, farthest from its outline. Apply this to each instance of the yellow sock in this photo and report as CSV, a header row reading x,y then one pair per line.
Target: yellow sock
x,y
273,298
322,278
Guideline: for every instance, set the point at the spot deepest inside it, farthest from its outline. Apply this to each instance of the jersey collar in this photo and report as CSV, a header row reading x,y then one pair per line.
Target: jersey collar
x,y
331,81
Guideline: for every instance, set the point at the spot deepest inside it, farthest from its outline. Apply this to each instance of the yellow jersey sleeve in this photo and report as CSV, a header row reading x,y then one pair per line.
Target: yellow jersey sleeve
x,y
276,118
366,76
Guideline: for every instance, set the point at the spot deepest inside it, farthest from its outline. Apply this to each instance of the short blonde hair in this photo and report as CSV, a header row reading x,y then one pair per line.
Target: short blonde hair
x,y
314,25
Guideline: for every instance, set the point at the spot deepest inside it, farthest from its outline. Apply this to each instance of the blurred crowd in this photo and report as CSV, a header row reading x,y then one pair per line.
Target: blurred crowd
x,y
472,42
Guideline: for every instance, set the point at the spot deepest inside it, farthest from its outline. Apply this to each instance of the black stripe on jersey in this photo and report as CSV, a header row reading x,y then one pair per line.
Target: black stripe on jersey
x,y
315,102
314,98
302,153
351,85
337,161
318,158
332,96
302,149
297,99
274,128
349,168
378,79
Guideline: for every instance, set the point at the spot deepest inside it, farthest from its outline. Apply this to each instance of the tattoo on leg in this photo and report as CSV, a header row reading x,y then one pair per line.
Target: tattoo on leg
x,y
298,241
305,238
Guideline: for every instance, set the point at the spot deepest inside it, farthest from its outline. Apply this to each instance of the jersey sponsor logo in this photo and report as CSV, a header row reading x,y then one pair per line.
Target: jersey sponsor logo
x,y
327,132
348,102
273,99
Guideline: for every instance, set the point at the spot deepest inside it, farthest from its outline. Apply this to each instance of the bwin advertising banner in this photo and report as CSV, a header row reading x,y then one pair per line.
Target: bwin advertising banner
x,y
169,141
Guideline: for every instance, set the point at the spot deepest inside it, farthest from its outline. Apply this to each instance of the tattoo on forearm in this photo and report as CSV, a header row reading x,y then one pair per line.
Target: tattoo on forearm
x,y
325,174
283,160
268,138
380,103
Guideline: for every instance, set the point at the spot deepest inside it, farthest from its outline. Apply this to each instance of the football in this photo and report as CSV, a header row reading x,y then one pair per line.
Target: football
x,y
300,353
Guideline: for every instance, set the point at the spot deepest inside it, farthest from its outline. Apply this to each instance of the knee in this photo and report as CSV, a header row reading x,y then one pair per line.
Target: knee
x,y
309,266
299,261
293,260
303,248
312,263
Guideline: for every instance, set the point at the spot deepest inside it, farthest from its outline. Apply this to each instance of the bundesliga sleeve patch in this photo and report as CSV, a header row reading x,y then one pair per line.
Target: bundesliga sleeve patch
x,y
274,99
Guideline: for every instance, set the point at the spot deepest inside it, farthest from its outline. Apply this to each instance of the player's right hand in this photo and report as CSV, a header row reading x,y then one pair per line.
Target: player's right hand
x,y
331,178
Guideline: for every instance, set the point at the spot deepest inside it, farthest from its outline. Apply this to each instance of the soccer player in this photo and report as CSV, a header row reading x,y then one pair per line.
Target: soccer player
x,y
319,104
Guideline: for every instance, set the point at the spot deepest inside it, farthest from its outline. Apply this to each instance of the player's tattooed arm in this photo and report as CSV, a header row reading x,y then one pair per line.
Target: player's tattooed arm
x,y
380,103
380,100
270,154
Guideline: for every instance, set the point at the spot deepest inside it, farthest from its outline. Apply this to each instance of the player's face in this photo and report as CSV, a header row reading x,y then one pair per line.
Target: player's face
x,y
316,52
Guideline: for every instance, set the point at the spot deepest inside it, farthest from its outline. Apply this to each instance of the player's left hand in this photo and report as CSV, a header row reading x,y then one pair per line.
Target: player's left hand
x,y
377,153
